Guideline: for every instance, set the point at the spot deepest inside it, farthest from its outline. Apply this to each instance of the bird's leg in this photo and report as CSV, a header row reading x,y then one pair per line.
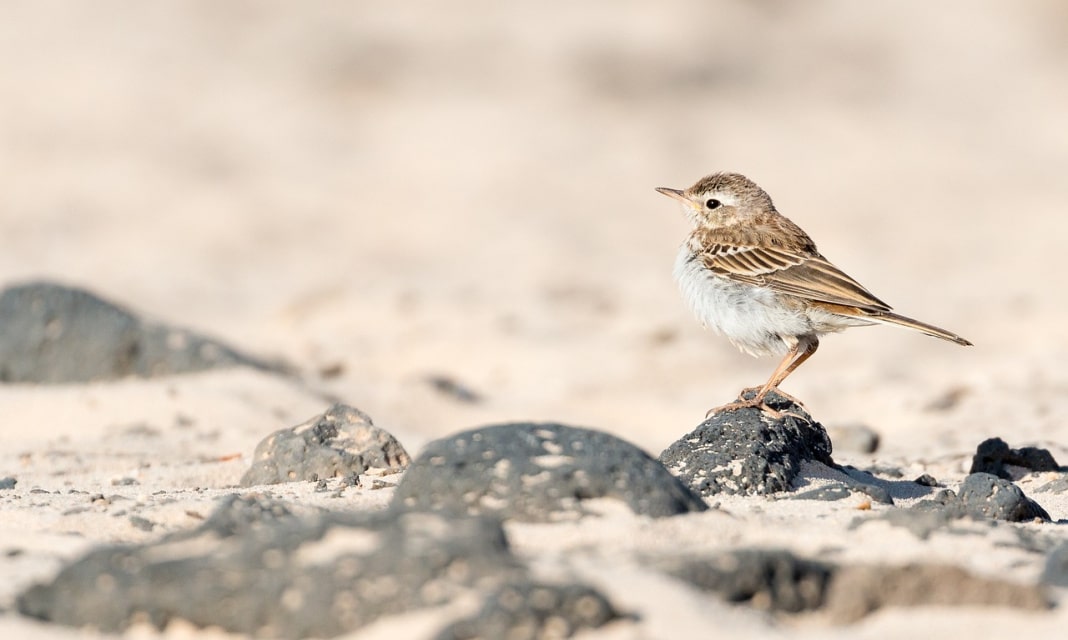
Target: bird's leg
x,y
797,355
781,373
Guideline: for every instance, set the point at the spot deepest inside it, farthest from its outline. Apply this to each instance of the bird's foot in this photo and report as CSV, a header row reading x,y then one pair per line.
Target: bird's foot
x,y
756,400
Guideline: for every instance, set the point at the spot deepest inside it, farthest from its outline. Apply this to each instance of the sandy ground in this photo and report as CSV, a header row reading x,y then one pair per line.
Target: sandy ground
x,y
391,191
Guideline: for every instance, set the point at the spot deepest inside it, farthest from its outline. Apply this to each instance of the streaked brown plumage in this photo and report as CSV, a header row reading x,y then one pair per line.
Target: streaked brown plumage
x,y
756,277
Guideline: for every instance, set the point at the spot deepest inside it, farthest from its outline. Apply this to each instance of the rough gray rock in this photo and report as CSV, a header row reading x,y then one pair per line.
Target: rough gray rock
x,y
748,451
781,582
994,454
985,496
927,480
922,519
537,473
535,610
766,579
856,591
1056,570
8,482
1058,485
57,334
841,490
854,437
829,493
340,442
254,567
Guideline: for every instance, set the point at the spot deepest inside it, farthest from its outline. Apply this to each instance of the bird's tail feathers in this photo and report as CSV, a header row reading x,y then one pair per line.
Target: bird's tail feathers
x,y
889,317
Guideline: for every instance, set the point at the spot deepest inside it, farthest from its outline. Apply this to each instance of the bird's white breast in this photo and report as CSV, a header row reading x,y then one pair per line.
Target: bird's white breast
x,y
754,319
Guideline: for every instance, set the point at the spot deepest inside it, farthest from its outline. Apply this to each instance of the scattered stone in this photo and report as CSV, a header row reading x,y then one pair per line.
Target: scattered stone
x,y
1059,485
994,454
948,399
856,591
884,470
254,567
866,483
144,524
857,438
829,493
1056,571
780,582
748,451
538,473
57,334
985,496
876,493
342,442
927,480
535,610
125,481
921,521
331,370
8,483
765,579
449,386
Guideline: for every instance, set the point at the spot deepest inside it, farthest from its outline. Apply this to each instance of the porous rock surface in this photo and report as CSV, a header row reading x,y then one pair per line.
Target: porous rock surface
x,y
772,580
256,567
994,454
539,472
58,334
748,451
985,496
534,610
339,442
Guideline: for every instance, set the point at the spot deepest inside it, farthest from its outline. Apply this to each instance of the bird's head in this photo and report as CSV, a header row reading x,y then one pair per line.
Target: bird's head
x,y
722,200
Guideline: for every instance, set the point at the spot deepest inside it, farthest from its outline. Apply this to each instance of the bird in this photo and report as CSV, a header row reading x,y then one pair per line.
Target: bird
x,y
752,275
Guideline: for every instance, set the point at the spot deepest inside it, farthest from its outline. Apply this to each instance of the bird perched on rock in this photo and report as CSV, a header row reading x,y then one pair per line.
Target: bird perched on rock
x,y
754,276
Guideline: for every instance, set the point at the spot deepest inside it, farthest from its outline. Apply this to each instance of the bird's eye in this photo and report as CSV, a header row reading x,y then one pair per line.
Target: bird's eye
x,y
712,203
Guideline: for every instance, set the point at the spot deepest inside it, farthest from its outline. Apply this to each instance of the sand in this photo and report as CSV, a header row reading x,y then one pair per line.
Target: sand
x,y
384,193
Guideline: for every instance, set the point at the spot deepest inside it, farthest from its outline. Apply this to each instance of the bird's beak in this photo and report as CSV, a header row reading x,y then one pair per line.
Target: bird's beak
x,y
676,194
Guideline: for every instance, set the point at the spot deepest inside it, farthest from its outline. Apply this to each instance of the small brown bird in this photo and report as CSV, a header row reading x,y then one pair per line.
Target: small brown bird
x,y
754,276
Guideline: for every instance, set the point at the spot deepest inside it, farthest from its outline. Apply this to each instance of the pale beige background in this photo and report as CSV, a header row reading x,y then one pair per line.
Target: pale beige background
x,y
466,189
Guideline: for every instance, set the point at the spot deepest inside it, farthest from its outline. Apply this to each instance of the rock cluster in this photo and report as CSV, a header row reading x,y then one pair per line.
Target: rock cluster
x,y
58,334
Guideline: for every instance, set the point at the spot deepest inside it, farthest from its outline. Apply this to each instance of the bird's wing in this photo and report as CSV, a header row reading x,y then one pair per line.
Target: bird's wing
x,y
803,274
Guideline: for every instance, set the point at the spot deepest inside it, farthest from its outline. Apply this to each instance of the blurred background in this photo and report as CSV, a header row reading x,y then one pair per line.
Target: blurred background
x,y
444,212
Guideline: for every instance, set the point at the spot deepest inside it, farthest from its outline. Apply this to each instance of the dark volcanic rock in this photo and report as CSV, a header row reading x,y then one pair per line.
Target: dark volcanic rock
x,y
8,482
781,582
992,455
253,567
55,334
340,442
748,451
926,480
985,496
537,473
766,579
856,591
535,610
256,567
